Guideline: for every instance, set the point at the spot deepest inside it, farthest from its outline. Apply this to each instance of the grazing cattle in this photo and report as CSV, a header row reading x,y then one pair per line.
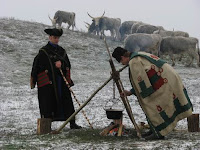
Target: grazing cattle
x,y
111,24
125,28
92,29
147,28
164,33
62,16
135,26
95,24
104,23
180,45
143,42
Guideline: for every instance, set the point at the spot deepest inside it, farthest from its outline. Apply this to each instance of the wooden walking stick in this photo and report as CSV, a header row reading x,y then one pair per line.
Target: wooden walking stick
x,y
121,89
83,105
75,97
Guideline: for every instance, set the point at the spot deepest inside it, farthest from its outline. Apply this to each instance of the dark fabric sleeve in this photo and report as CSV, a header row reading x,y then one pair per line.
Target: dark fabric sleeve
x,y
68,72
35,69
68,62
38,65
133,91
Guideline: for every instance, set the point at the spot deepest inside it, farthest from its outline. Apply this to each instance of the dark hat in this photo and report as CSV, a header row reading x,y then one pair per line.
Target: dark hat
x,y
54,32
118,52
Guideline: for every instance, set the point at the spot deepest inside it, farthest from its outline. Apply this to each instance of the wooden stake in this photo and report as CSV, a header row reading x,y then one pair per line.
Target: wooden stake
x,y
121,89
193,123
43,126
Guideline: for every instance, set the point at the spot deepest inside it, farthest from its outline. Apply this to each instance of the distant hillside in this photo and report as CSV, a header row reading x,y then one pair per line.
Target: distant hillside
x,y
21,40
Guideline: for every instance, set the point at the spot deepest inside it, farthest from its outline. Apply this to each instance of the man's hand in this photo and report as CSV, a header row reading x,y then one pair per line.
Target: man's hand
x,y
125,93
58,64
31,83
115,75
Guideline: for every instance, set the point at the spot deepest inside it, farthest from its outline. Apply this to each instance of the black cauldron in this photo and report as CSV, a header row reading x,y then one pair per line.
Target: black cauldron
x,y
114,113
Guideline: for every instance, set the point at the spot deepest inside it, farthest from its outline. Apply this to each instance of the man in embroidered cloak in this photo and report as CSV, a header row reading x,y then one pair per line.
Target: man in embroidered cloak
x,y
54,96
159,90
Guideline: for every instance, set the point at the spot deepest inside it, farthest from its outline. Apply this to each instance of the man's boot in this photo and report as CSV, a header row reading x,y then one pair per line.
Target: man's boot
x,y
145,134
73,125
154,137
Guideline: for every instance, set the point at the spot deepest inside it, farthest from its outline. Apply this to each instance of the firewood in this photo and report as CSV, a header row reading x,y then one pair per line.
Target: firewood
x,y
120,130
106,130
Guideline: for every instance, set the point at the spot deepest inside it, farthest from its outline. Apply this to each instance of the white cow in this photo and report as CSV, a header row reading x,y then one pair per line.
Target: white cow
x,y
143,42
180,45
105,23
63,16
165,33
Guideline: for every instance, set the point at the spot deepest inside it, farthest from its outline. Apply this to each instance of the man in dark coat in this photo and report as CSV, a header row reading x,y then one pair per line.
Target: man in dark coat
x,y
54,96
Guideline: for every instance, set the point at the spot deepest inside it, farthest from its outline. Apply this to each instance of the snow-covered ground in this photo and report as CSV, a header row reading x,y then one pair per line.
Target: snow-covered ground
x,y
19,44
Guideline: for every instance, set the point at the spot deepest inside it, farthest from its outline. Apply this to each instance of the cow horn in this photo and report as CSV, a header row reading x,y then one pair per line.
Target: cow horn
x,y
90,15
87,26
50,18
87,23
103,14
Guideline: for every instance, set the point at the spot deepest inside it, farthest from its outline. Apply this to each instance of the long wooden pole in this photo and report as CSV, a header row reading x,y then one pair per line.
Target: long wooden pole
x,y
121,89
83,105
75,97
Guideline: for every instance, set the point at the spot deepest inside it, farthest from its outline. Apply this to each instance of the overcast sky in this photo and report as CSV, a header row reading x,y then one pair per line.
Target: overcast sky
x,y
181,15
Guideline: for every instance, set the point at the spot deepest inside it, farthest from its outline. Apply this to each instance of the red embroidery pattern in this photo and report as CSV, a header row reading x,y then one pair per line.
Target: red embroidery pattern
x,y
159,81
165,80
154,57
43,79
158,84
174,96
159,108
139,79
160,70
159,73
153,67
68,75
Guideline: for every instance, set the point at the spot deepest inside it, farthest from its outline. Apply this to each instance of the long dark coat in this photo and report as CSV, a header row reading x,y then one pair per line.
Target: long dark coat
x,y
54,97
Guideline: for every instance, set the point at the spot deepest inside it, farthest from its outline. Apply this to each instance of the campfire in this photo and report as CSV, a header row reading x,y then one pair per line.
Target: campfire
x,y
115,128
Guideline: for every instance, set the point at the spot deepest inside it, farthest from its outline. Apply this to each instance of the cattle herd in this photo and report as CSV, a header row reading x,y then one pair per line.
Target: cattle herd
x,y
138,36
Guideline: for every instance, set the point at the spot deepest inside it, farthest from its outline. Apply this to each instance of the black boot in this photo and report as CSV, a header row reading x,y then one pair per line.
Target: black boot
x,y
154,137
145,134
73,125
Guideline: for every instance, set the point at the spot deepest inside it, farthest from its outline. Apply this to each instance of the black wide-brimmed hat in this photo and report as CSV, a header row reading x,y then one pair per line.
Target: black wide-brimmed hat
x,y
118,52
54,32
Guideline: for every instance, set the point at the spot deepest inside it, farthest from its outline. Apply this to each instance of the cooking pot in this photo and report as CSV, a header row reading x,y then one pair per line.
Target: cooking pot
x,y
114,113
